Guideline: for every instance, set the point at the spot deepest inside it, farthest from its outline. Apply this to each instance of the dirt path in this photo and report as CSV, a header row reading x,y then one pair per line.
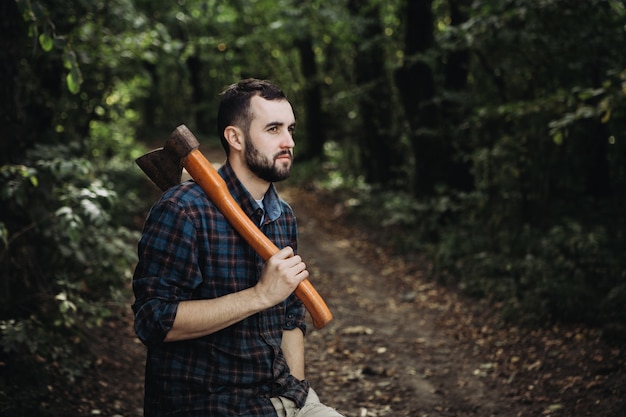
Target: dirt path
x,y
399,345
382,354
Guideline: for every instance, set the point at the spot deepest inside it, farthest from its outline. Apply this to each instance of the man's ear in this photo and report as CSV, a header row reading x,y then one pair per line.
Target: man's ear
x,y
234,137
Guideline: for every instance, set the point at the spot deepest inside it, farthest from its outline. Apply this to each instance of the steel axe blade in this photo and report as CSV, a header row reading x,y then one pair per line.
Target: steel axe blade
x,y
164,166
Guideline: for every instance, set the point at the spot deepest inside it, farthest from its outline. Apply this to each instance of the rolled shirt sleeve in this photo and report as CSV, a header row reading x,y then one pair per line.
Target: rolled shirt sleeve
x,y
295,315
167,271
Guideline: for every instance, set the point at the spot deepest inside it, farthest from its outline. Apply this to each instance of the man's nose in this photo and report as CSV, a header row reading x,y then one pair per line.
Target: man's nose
x,y
287,140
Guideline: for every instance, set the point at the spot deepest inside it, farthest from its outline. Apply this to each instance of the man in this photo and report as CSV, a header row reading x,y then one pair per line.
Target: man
x,y
224,331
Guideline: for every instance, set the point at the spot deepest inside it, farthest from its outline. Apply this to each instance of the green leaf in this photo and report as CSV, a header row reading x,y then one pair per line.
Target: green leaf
x,y
4,235
558,138
73,81
46,42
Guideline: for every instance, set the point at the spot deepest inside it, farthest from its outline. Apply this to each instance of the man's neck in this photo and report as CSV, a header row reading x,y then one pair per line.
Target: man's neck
x,y
255,185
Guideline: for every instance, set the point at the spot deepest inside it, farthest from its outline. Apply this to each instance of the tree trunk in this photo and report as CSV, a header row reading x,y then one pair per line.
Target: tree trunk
x,y
379,155
315,133
454,111
196,75
12,115
598,173
416,86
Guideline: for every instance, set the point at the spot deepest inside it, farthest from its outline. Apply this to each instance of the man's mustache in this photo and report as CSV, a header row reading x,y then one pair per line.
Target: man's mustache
x,y
282,153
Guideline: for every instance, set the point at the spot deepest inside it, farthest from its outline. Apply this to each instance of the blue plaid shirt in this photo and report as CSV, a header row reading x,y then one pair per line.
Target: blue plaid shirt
x,y
189,251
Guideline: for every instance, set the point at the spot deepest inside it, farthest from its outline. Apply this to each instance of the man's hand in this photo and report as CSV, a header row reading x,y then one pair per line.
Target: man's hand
x,y
281,275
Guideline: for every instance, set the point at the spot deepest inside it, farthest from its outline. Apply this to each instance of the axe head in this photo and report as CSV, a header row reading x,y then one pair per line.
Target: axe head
x,y
164,166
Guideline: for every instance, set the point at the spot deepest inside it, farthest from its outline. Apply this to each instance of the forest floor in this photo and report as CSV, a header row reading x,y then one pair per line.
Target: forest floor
x,y
399,344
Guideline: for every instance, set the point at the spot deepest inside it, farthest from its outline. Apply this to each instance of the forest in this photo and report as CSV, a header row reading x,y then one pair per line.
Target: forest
x,y
488,136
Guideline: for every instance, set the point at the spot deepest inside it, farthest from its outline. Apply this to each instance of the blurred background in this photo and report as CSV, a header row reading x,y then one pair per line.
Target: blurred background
x,y
488,136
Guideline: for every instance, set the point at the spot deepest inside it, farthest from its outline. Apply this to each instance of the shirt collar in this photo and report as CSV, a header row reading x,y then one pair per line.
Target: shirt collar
x,y
271,200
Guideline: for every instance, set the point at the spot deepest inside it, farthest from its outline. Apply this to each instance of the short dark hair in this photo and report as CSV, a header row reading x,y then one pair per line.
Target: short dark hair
x,y
234,107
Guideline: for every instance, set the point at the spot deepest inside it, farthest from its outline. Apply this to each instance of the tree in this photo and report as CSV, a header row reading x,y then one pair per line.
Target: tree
x,y
315,133
416,85
379,147
454,105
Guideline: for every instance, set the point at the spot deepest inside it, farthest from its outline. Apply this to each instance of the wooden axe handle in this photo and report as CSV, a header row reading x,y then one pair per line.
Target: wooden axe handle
x,y
214,186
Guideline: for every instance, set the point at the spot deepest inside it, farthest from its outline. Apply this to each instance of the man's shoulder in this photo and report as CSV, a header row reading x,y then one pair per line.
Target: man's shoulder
x,y
286,208
187,193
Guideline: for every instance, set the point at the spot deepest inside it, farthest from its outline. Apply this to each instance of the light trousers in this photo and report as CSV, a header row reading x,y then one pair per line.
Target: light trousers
x,y
312,407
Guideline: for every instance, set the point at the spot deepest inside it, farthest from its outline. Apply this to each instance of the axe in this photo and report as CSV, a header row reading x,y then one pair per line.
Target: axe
x,y
164,167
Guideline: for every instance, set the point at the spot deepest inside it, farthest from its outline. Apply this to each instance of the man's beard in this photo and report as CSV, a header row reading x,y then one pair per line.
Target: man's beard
x,y
263,167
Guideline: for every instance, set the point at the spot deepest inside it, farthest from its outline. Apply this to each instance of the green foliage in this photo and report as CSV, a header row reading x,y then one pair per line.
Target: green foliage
x,y
61,233
70,195
34,354
541,230
566,274
42,27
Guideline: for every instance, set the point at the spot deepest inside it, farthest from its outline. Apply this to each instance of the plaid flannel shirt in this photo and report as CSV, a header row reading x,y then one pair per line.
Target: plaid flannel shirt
x,y
189,251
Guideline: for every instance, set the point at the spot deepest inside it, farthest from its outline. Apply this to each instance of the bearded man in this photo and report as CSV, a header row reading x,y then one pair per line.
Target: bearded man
x,y
224,331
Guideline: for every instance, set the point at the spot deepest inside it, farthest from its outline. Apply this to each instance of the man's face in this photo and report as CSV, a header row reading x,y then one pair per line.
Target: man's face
x,y
269,142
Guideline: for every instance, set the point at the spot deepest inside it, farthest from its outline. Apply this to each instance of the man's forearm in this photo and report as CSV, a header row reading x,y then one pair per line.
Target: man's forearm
x,y
280,276
197,318
293,349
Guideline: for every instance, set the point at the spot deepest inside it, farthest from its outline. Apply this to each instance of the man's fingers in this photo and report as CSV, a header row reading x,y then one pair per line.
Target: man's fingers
x,y
293,265
287,257
289,264
302,275
284,253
